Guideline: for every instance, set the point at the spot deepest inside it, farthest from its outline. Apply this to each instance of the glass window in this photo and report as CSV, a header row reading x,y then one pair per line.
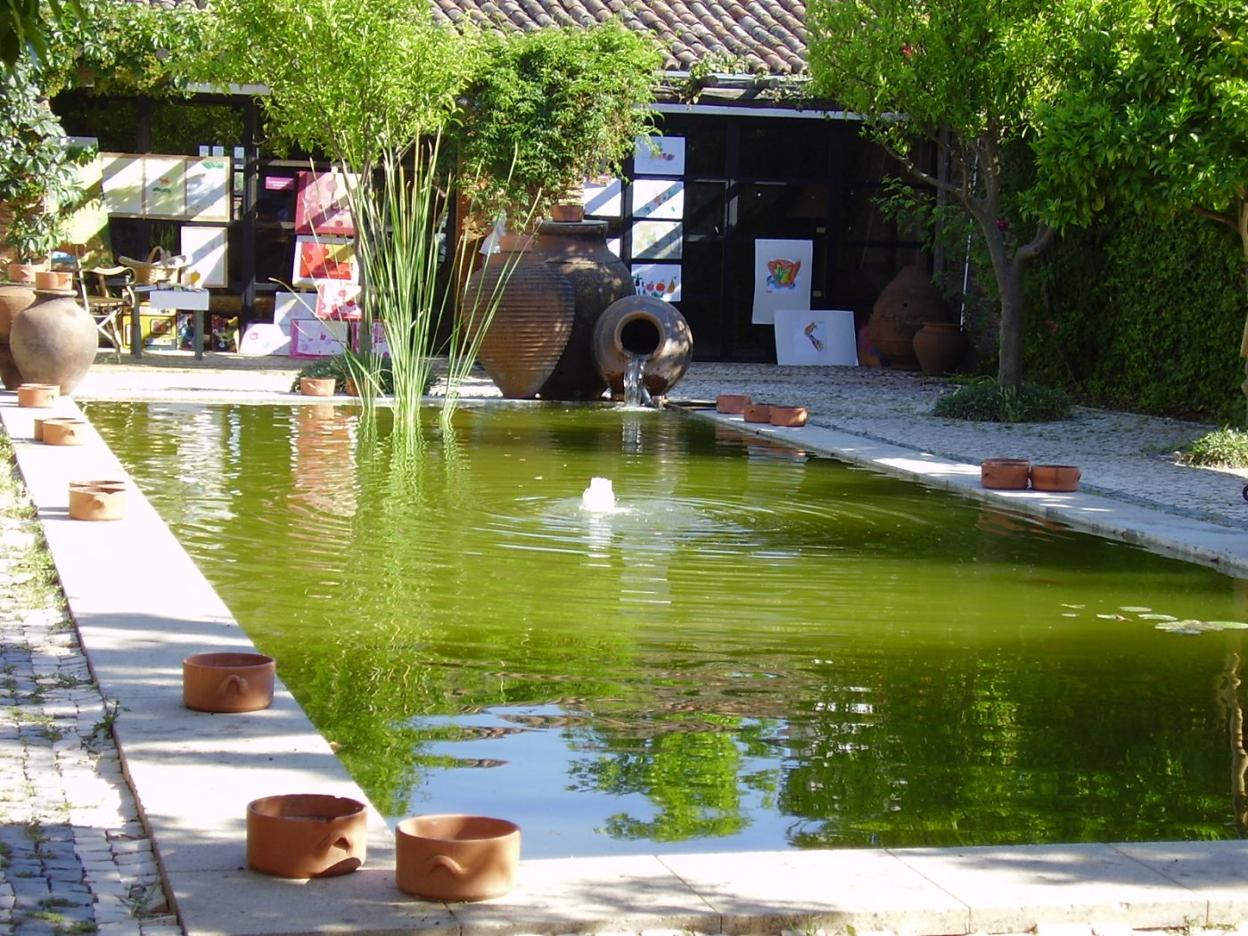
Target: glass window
x,y
784,149
706,206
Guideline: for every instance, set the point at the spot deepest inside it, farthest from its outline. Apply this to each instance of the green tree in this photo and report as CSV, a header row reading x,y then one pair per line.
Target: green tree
x,y
970,72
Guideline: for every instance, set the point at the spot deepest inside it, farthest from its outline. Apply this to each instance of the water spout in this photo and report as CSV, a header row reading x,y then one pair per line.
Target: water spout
x,y
635,392
599,496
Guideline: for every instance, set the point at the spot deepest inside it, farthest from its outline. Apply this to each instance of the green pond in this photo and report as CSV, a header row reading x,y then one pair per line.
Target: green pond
x,y
758,648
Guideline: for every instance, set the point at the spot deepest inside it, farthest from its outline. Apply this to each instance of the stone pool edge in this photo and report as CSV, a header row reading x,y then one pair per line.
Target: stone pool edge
x,y
188,773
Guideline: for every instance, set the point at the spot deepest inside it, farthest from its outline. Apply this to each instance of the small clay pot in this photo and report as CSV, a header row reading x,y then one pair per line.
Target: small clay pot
x,y
306,835
352,388
37,395
567,213
63,431
732,403
1055,477
228,682
452,857
97,500
757,413
23,273
792,417
1004,474
54,281
316,386
37,433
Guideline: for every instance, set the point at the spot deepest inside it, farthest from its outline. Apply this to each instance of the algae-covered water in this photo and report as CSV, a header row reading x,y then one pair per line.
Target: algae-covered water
x,y
758,649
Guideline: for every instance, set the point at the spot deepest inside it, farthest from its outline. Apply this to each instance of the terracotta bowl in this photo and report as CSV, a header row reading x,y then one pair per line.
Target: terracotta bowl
x,y
228,682
758,413
793,417
453,857
316,386
1055,477
97,500
1004,474
37,434
61,431
731,403
37,395
306,835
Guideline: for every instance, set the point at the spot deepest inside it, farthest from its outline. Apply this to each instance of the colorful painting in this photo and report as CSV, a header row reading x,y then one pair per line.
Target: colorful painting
x,y
822,337
319,258
339,301
314,338
164,186
208,189
321,205
659,280
658,198
781,277
379,339
659,155
602,198
657,240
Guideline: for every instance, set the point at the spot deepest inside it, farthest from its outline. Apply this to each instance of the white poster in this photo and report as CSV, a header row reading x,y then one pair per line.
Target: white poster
x,y
781,277
204,248
659,155
658,280
123,183
661,199
289,306
164,186
261,339
314,338
657,240
602,198
823,336
208,188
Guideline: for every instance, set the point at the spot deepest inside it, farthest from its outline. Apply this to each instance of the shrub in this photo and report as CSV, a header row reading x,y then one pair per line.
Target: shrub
x,y
1222,448
985,401
336,367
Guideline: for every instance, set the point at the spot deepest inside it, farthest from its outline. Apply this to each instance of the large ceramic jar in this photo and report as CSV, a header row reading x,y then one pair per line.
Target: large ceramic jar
x,y
939,346
15,298
578,251
532,318
645,328
903,306
54,342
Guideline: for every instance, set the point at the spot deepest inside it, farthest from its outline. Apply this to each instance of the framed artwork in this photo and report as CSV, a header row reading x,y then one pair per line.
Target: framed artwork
x,y
122,179
657,240
324,258
379,339
204,248
659,155
781,277
321,204
658,198
314,338
602,198
659,280
262,339
822,336
164,186
288,306
208,189
337,300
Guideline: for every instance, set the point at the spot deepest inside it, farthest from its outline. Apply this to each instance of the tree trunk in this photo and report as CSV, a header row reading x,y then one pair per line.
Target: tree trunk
x,y
1010,354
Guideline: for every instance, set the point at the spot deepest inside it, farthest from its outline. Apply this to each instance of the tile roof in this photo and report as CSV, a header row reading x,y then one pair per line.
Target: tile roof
x,y
767,36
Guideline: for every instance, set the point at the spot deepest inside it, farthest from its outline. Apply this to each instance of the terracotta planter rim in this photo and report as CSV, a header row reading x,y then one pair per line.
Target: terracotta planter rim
x,y
501,827
305,807
229,659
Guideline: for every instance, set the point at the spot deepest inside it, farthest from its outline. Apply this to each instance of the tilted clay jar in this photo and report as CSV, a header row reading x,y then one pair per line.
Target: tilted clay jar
x,y
452,857
939,346
228,682
64,431
317,386
1004,474
792,417
645,327
97,500
14,299
54,342
732,403
757,413
37,396
1063,478
306,835
904,304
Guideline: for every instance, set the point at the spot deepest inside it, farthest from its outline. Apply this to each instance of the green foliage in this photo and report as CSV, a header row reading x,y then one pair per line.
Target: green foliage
x,y
547,109
1222,448
26,25
987,401
1141,314
339,368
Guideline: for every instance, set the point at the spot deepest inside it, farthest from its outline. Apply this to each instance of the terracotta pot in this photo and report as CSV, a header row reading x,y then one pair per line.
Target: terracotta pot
x,y
352,389
793,417
317,386
732,403
37,395
9,374
757,413
306,835
1055,477
64,431
97,500
567,213
903,305
532,319
939,346
14,299
454,857
37,433
642,326
54,342
1004,474
228,682
54,280
23,273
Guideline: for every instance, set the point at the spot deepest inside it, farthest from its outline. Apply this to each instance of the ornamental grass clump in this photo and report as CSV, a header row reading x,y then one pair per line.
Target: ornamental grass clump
x,y
987,401
1221,448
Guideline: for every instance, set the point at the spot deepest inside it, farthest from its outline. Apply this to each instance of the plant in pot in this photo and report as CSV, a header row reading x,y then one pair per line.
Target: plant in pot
x,y
32,237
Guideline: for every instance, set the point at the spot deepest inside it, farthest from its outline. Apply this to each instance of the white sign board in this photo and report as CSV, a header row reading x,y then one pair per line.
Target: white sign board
x,y
204,248
820,337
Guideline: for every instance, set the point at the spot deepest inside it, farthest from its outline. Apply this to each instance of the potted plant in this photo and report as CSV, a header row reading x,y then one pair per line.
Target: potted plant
x,y
32,237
